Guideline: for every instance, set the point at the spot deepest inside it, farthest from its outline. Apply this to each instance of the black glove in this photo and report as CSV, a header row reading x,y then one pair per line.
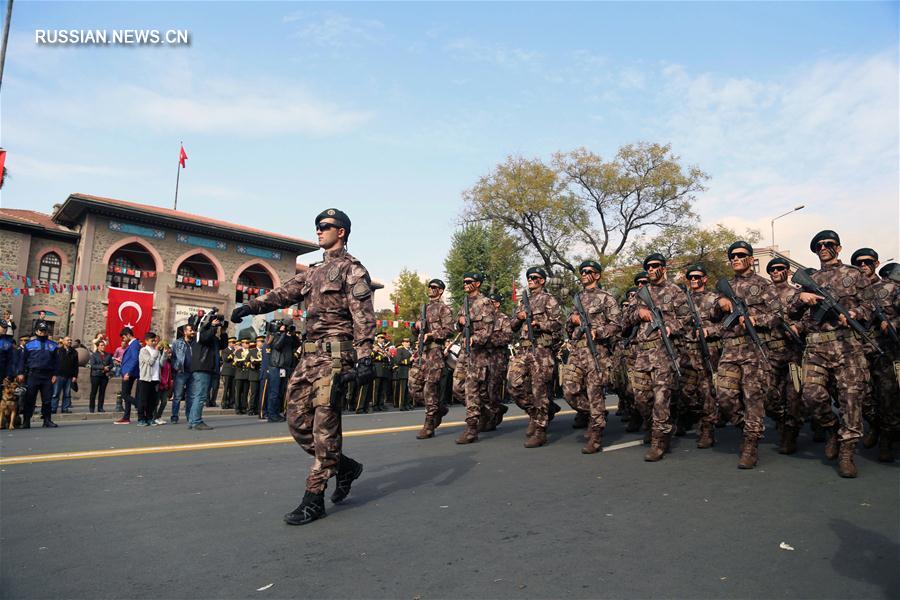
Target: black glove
x,y
238,314
365,372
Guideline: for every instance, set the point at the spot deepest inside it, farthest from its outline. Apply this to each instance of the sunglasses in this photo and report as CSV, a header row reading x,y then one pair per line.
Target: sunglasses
x,y
829,244
642,282
695,277
437,287
777,269
535,278
588,272
326,226
468,281
738,255
868,262
654,265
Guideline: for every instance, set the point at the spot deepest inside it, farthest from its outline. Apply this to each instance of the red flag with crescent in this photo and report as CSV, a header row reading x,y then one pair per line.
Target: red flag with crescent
x,y
127,308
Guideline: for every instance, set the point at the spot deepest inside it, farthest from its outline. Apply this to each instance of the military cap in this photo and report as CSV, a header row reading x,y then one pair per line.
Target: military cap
x,y
404,339
590,263
536,271
479,277
22,338
640,275
438,283
655,257
827,234
336,215
886,271
739,245
496,297
41,326
694,268
232,339
260,338
863,252
778,260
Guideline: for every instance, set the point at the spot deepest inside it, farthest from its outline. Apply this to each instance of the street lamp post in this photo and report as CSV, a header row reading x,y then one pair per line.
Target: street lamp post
x,y
793,210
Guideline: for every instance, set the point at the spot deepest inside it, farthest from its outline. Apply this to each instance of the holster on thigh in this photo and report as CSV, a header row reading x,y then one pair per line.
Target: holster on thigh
x,y
641,381
815,375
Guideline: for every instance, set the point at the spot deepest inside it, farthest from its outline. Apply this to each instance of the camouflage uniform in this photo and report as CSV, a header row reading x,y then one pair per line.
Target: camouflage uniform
x,y
477,360
698,391
340,329
882,408
498,367
531,371
439,325
581,380
783,402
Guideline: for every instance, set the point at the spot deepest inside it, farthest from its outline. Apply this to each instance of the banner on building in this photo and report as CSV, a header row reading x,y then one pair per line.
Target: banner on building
x,y
128,308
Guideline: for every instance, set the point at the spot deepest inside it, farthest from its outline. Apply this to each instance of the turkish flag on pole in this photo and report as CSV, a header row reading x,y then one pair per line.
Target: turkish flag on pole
x,y
128,308
182,158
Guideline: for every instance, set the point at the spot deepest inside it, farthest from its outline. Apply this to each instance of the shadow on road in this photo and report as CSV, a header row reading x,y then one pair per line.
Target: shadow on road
x,y
401,476
867,556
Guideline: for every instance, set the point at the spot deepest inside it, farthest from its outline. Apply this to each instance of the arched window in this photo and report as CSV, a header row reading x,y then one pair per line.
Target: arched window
x,y
192,268
50,265
124,266
255,277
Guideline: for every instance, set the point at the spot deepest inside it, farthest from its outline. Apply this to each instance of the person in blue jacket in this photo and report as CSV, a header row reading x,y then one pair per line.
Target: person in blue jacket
x,y
130,372
7,346
36,370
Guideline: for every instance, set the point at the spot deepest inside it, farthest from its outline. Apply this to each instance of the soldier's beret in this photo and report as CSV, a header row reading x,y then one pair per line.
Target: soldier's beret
x,y
336,215
474,275
496,297
827,234
655,257
863,252
590,263
742,245
885,271
438,283
631,290
695,268
536,271
640,275
778,260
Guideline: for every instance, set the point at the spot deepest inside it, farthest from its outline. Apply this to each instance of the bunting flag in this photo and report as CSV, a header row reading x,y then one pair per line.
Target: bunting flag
x,y
49,288
131,272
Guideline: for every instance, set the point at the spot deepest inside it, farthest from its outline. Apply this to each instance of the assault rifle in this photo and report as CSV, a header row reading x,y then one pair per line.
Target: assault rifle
x,y
421,343
739,309
657,322
467,328
698,330
829,304
789,333
880,317
587,331
529,316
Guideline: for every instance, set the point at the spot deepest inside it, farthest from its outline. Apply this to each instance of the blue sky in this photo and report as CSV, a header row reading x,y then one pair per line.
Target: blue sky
x,y
390,111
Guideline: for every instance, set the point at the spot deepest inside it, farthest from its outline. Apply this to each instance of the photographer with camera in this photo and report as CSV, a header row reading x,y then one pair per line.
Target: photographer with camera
x,y
282,344
210,339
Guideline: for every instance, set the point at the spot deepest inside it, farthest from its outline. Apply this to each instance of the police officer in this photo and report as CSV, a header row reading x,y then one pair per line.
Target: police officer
x,y
7,346
39,363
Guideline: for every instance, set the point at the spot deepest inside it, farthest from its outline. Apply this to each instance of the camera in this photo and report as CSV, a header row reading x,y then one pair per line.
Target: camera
x,y
202,319
277,324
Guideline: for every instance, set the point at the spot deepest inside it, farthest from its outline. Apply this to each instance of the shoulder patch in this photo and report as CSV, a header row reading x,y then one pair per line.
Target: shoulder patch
x,y
334,273
882,292
754,290
847,281
361,290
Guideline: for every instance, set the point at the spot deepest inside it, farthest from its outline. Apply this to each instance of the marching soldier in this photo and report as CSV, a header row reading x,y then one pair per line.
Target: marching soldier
x,y
531,372
255,364
438,327
36,370
698,387
654,378
228,373
477,324
340,331
785,354
400,375
241,360
880,408
499,365
585,375
627,406
744,373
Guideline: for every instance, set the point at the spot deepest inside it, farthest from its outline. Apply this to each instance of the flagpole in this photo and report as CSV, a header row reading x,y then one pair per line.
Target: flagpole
x,y
178,176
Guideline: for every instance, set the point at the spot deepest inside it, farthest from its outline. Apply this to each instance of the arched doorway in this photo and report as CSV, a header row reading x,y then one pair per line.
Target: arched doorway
x,y
253,278
127,265
195,267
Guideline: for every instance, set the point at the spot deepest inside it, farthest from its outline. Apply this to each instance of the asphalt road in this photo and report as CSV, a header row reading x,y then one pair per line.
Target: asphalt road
x,y
430,519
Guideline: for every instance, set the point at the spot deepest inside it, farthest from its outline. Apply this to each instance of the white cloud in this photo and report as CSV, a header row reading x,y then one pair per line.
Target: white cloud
x,y
496,54
335,30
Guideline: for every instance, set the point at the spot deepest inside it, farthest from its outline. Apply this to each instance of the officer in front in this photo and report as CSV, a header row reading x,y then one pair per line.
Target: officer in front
x,y
36,370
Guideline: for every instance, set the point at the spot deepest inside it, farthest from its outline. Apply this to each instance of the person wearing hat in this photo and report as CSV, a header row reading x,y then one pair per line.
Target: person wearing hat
x,y
340,330
400,375
881,408
255,361
36,370
834,358
744,374
531,371
698,391
783,402
626,351
228,373
478,328
499,365
582,377
241,359
437,328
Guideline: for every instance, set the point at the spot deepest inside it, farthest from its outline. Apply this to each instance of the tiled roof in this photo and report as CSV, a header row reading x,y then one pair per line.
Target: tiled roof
x,y
32,218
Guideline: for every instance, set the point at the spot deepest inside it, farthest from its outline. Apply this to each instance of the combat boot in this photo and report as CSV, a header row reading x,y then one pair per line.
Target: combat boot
x,y
788,440
498,418
538,439
532,425
707,437
312,507
818,432
666,442
427,431
648,436
552,409
348,471
581,420
885,448
657,450
439,417
469,435
832,443
871,439
634,422
594,443
846,466
749,456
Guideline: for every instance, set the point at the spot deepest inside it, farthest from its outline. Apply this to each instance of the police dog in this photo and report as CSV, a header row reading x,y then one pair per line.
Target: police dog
x,y
8,406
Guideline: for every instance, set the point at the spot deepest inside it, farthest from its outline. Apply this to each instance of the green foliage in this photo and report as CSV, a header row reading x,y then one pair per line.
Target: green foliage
x,y
484,247
410,292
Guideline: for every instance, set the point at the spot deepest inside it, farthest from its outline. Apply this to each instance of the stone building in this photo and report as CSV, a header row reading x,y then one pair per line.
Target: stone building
x,y
189,262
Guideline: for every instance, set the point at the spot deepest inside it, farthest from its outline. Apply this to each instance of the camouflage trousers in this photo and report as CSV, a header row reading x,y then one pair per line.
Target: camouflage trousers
x,y
698,394
783,402
459,380
315,425
497,377
839,365
583,384
475,386
530,375
429,374
881,408
743,379
654,381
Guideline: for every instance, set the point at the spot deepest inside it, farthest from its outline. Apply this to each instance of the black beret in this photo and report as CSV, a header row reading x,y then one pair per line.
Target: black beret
x,y
479,277
827,234
336,215
590,263
695,267
640,275
742,245
863,252
536,270
885,271
496,297
655,257
778,260
438,283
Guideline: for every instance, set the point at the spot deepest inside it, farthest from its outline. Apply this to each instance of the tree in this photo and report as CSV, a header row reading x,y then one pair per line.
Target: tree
x,y
489,249
410,292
